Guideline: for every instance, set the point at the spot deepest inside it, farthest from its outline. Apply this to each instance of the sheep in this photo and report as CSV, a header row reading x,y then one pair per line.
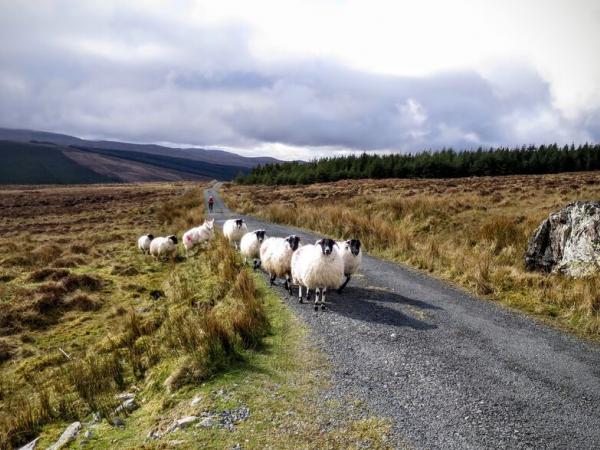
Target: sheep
x,y
234,229
276,258
250,246
144,243
197,235
352,255
164,247
319,267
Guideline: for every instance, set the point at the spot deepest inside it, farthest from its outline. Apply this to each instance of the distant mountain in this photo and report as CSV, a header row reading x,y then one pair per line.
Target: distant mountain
x,y
220,157
42,162
25,163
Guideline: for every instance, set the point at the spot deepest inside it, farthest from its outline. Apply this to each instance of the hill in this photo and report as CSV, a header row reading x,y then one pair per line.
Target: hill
x,y
198,154
24,163
47,163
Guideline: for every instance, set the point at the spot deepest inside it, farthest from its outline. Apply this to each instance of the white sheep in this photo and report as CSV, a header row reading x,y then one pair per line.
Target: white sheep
x,y
164,247
197,235
319,267
276,258
250,246
352,256
144,243
234,229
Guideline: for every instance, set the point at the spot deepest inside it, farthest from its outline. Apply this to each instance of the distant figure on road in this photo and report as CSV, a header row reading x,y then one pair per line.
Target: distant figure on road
x,y
211,202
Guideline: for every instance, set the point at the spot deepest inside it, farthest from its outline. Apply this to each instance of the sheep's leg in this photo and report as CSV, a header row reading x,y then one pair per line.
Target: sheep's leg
x,y
323,299
317,291
300,293
307,294
344,285
288,283
271,279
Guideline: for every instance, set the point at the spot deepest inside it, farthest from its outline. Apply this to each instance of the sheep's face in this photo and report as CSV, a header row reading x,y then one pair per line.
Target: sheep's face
x,y
326,245
354,246
209,223
150,236
260,235
293,241
173,239
239,223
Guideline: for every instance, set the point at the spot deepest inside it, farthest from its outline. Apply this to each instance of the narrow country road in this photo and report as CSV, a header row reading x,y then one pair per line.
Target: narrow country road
x,y
449,370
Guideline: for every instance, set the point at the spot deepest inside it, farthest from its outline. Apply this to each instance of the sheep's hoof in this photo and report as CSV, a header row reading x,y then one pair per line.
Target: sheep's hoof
x,y
323,307
316,307
339,291
300,300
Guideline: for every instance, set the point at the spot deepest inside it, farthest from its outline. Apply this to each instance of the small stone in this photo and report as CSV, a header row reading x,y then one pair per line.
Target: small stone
x,y
154,434
68,436
175,443
128,405
118,422
393,336
184,422
207,422
197,399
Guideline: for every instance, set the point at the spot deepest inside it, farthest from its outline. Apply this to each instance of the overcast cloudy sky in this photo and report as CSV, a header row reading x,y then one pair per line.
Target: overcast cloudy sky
x,y
296,79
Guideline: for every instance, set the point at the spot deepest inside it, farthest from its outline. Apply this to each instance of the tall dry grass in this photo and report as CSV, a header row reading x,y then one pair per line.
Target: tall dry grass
x,y
212,313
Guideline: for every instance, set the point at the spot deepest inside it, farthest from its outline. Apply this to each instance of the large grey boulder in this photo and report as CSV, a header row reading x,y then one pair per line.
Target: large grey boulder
x,y
567,242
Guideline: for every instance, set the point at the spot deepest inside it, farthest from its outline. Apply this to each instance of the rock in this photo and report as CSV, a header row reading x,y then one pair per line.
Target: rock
x,y
68,436
96,417
184,422
176,443
31,445
207,422
154,434
118,422
128,405
393,336
229,417
567,242
197,399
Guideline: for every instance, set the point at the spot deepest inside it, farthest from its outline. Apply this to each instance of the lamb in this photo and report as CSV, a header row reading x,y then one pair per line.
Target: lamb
x,y
234,229
250,246
276,258
164,247
144,243
352,256
319,267
198,235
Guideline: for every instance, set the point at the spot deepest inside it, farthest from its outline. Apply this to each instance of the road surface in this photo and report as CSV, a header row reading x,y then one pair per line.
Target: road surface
x,y
449,370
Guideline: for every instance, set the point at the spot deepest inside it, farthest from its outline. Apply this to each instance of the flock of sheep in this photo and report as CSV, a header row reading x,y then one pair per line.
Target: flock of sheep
x,y
327,264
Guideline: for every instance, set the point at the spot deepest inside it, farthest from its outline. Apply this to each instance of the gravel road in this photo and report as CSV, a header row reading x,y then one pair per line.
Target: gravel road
x,y
450,371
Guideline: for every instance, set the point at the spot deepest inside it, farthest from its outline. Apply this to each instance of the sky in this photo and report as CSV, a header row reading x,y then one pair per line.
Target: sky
x,y
304,79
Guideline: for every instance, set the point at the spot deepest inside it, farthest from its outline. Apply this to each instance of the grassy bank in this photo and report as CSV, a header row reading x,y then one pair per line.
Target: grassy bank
x,y
84,317
470,231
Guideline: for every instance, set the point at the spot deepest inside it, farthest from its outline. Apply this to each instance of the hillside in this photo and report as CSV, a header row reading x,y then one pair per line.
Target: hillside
x,y
197,154
45,163
24,163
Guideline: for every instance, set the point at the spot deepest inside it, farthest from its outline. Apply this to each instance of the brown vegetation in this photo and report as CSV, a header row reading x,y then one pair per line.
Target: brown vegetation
x,y
79,361
471,231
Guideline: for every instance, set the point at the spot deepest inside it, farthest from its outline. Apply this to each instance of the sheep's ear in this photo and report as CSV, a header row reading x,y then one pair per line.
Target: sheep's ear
x,y
336,244
319,242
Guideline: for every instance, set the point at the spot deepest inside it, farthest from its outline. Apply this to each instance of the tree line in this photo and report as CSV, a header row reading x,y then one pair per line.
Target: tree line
x,y
446,163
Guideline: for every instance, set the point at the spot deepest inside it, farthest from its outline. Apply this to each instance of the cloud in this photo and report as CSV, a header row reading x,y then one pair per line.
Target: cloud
x,y
138,75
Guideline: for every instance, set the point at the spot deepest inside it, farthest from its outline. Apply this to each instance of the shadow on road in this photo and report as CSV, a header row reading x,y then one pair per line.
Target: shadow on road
x,y
366,305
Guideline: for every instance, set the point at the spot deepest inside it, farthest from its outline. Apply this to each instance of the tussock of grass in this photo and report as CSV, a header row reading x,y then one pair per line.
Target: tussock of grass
x,y
470,231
